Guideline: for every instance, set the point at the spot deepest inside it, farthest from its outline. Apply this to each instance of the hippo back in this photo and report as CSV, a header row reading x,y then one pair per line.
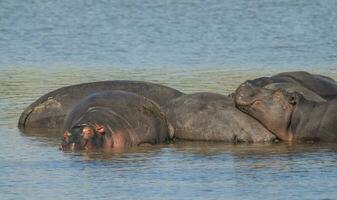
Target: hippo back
x,y
50,110
293,87
213,117
323,86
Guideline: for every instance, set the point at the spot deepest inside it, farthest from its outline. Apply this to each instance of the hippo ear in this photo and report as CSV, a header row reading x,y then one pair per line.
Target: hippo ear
x,y
100,129
293,97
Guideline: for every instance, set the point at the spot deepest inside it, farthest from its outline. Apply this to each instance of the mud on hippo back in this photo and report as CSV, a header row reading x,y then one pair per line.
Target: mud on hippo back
x,y
213,117
114,119
302,82
50,110
290,116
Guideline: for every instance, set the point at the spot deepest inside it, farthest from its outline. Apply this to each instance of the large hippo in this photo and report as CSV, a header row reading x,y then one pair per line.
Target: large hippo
x,y
324,86
50,110
213,117
288,115
114,119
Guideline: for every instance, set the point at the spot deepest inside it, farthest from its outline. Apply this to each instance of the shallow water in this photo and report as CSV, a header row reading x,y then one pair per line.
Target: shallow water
x,y
189,45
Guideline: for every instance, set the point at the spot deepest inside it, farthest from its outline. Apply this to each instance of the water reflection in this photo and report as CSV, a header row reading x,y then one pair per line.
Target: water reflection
x,y
195,148
251,150
181,169
42,133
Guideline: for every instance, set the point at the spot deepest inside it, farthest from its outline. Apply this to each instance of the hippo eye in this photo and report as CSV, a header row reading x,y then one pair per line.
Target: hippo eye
x,y
66,134
256,103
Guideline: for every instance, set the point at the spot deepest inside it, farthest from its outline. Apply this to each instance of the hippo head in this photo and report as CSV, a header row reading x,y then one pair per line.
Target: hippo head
x,y
83,137
273,108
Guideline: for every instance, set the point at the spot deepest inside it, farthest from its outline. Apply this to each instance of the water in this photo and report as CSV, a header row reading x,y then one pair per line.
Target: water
x,y
168,33
189,45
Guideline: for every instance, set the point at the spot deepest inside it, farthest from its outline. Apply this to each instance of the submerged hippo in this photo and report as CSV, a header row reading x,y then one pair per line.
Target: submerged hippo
x,y
324,86
50,110
213,117
288,115
114,119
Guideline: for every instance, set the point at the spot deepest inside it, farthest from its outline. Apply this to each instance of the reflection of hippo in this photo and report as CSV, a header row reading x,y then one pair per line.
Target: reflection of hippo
x,y
49,110
114,119
213,117
288,115
321,85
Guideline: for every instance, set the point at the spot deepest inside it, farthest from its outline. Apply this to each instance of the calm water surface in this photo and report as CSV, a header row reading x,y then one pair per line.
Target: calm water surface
x,y
189,45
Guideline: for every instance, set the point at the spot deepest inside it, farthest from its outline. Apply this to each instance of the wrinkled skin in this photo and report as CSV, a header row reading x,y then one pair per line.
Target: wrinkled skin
x,y
114,119
50,110
293,87
213,117
323,86
289,116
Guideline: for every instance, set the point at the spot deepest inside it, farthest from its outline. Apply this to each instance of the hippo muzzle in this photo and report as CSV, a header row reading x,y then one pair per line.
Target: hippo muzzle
x,y
74,139
245,95
83,137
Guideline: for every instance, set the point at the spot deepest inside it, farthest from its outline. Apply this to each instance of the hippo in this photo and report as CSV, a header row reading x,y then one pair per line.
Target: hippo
x,y
289,116
208,116
114,119
324,86
50,110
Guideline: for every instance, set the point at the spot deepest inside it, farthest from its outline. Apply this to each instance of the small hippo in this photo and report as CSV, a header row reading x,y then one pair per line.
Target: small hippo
x,y
289,116
50,110
114,119
213,117
324,86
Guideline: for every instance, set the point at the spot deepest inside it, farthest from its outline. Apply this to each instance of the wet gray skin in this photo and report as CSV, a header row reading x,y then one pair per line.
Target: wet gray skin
x,y
114,119
49,111
290,116
293,87
213,117
301,82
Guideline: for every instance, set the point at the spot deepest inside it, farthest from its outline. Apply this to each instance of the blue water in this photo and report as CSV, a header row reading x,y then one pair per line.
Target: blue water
x,y
189,45
145,33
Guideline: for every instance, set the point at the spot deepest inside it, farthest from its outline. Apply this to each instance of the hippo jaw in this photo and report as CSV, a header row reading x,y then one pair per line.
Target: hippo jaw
x,y
272,108
73,146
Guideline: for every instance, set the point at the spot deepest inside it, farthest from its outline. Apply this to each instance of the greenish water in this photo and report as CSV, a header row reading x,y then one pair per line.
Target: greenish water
x,y
31,166
189,45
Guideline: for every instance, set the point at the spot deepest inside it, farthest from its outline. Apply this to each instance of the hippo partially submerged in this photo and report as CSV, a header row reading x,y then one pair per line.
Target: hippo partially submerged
x,y
114,119
50,110
323,86
213,117
288,115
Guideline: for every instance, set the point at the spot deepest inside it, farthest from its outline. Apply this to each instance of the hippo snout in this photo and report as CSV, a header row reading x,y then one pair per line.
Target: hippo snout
x,y
244,94
68,147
